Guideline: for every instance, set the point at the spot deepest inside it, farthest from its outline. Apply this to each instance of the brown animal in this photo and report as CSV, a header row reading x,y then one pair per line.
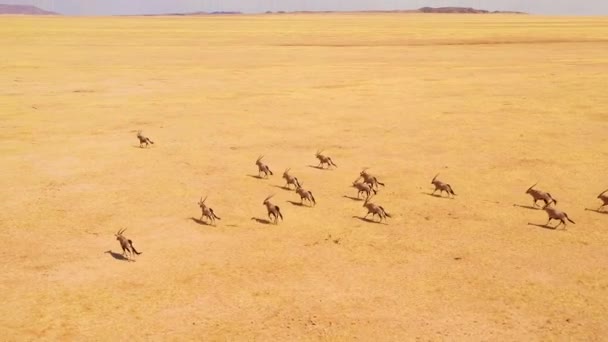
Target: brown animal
x,y
262,167
274,212
604,197
305,195
555,214
375,209
324,160
364,188
126,245
289,179
207,211
538,195
441,186
143,140
369,178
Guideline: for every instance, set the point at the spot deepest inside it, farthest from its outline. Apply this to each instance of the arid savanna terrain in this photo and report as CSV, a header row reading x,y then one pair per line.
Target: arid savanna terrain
x,y
494,103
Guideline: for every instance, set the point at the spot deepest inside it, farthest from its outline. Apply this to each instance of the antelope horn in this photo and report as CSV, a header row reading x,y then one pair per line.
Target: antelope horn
x,y
260,157
532,186
269,197
434,178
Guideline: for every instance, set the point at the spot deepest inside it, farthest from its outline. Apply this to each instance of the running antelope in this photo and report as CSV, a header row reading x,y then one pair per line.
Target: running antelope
x,y
143,139
323,159
207,211
273,210
604,197
126,244
289,179
441,186
364,188
375,209
305,195
538,195
262,167
369,178
555,214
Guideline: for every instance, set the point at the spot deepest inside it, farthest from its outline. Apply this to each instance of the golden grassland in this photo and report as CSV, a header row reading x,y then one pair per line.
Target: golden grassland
x,y
492,102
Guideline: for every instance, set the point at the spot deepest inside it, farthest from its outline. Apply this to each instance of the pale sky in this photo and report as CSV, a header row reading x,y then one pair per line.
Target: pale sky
x,y
110,7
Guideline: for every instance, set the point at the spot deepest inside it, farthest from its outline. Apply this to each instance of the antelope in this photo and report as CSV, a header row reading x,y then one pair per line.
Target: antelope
x,y
289,179
207,211
273,210
368,178
364,187
375,209
126,244
262,167
441,186
604,197
324,160
555,214
538,195
305,195
143,139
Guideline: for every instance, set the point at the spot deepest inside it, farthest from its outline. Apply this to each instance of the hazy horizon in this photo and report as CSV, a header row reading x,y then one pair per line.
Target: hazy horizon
x,y
119,7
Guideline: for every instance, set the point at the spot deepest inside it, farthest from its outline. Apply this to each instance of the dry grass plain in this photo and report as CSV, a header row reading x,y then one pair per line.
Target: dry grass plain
x,y
494,103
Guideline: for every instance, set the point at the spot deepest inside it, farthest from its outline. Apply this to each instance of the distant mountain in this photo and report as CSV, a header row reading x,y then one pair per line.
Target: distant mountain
x,y
195,13
460,10
420,10
23,9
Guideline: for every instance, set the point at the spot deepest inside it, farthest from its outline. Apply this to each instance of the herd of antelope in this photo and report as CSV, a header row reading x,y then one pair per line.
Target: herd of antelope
x,y
366,188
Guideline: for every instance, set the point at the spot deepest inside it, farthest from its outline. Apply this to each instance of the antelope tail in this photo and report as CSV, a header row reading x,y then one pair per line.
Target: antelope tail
x,y
313,197
569,219
279,211
451,191
553,199
332,162
375,192
272,174
217,217
133,248
151,142
378,182
385,213
297,182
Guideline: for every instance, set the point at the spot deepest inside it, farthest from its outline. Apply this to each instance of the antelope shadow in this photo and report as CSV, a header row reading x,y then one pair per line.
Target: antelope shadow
x,y
353,198
256,176
320,167
545,226
597,211
526,206
117,256
298,204
365,219
201,222
283,187
261,220
435,195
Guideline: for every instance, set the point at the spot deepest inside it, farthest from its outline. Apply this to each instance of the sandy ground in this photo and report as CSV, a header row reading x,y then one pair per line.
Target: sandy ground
x,y
494,103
